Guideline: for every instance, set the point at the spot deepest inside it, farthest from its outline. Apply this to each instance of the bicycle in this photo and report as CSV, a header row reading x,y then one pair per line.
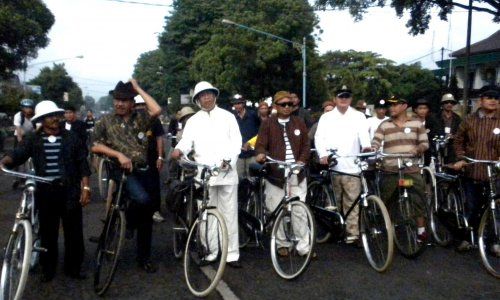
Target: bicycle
x,y
375,226
111,239
446,210
291,221
489,227
206,243
403,211
23,248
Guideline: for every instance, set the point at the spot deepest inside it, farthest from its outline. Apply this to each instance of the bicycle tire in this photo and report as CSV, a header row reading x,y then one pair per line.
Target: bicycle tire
x,y
244,235
376,233
108,250
103,179
201,279
181,226
441,235
292,211
317,195
489,239
37,243
17,257
405,227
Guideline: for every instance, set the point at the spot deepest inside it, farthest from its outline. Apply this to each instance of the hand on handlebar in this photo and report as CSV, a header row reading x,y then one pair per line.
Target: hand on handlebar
x,y
459,165
176,154
125,162
260,158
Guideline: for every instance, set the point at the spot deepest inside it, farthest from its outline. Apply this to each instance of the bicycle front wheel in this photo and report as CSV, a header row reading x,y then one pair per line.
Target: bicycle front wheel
x,y
446,197
292,239
489,240
103,179
206,253
16,263
404,221
376,233
317,195
108,250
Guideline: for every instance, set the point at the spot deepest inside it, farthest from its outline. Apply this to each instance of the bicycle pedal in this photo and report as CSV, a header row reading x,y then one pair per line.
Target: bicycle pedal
x,y
180,229
39,249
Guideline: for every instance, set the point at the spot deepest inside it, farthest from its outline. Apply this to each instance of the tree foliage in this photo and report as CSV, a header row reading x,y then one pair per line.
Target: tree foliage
x,y
55,82
24,25
196,46
149,70
419,10
372,77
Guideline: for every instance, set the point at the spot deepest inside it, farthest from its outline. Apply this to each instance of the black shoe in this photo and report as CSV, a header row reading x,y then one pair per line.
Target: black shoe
x,y
77,275
47,277
148,266
235,264
94,239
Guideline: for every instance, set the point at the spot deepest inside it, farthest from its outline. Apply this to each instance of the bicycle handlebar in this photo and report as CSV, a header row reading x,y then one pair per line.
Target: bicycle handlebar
x,y
397,155
213,170
27,176
479,161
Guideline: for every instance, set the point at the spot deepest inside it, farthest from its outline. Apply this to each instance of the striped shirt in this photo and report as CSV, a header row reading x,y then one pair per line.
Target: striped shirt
x,y
478,137
412,136
52,149
289,158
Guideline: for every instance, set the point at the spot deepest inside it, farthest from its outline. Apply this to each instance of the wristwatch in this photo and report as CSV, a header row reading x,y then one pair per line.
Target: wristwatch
x,y
86,188
161,158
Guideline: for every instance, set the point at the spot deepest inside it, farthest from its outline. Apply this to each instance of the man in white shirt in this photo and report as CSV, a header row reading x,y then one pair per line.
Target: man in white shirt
x,y
22,120
344,128
380,116
214,135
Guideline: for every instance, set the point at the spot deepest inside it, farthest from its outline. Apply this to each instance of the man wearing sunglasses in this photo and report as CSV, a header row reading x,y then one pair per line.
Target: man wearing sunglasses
x,y
478,137
345,129
284,137
448,122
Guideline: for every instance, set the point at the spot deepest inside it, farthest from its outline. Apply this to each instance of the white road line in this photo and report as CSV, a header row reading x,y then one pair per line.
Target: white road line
x,y
222,287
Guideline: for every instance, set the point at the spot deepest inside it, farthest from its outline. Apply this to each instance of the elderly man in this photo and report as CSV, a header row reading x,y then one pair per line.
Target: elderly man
x,y
448,122
478,137
300,111
57,153
213,134
122,136
345,129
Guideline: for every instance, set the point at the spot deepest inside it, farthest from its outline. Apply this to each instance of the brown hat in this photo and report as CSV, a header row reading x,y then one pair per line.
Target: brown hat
x,y
280,95
327,103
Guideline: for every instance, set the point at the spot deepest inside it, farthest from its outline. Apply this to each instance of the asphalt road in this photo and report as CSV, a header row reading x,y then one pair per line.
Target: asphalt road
x,y
339,272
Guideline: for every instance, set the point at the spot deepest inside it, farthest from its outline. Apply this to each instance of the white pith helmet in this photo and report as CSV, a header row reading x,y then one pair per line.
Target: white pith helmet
x,y
44,108
203,86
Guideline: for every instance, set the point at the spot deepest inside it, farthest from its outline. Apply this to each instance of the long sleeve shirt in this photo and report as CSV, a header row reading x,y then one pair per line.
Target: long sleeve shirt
x,y
348,133
214,136
478,137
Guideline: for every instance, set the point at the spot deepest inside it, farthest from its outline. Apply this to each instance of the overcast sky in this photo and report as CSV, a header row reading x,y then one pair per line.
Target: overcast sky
x,y
111,35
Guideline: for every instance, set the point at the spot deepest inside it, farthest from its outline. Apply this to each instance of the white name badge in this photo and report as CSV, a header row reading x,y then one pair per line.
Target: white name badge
x,y
447,130
52,139
407,130
496,130
297,132
140,135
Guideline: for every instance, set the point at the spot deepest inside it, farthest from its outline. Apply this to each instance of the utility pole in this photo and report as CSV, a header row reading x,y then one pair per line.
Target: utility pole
x,y
465,106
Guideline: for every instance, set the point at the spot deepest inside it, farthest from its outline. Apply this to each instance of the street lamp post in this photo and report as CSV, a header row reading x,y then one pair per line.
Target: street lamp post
x,y
302,48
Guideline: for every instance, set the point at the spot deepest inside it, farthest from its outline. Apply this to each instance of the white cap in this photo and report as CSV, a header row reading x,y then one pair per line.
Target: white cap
x,y
203,86
139,100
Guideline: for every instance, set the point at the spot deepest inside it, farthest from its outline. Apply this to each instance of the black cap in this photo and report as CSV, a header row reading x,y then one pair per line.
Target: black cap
x,y
395,99
421,101
381,104
490,94
343,91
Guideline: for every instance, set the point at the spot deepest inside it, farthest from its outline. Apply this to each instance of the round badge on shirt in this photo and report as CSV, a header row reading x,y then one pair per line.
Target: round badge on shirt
x,y
496,130
52,139
296,132
407,130
140,135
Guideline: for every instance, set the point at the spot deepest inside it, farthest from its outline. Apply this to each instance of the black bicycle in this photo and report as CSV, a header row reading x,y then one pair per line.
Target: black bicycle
x,y
374,223
111,239
291,223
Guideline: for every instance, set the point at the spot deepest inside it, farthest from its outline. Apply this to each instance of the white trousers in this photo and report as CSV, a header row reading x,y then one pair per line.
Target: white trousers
x,y
274,195
225,198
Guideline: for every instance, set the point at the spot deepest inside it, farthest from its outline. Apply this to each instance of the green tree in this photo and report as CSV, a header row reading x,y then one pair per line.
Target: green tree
x,y
89,102
24,27
197,46
419,10
104,103
366,73
372,77
55,82
149,72
10,96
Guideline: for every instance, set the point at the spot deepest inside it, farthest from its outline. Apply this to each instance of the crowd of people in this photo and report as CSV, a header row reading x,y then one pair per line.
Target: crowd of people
x,y
133,137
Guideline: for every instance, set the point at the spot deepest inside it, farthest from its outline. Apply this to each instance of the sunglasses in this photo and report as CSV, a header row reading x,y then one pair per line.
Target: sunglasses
x,y
344,96
449,102
286,104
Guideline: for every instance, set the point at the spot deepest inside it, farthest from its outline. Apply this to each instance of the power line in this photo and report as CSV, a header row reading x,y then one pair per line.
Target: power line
x,y
417,59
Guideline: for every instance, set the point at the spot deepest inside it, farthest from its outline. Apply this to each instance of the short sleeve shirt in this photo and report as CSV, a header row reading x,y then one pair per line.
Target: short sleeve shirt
x,y
27,126
128,137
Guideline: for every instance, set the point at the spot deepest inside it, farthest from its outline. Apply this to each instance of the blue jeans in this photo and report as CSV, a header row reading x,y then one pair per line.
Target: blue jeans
x,y
138,186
